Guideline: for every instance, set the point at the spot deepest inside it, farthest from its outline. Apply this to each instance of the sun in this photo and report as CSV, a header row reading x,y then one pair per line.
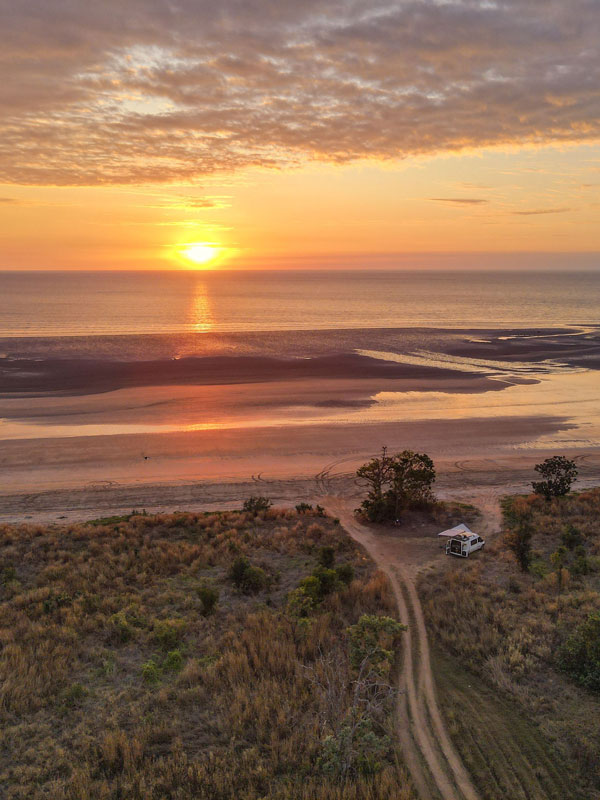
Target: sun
x,y
201,252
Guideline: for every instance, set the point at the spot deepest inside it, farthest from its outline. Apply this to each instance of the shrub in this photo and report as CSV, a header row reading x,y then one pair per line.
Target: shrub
x,y
74,694
8,574
303,508
256,504
209,597
168,633
345,573
173,661
246,577
120,631
571,537
311,588
300,603
579,656
327,557
520,533
150,672
327,581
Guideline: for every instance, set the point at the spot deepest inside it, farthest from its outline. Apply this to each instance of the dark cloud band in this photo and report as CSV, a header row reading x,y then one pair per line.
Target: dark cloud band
x,y
167,90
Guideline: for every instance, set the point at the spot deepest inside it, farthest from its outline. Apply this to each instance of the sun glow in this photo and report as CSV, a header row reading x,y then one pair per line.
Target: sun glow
x,y
202,253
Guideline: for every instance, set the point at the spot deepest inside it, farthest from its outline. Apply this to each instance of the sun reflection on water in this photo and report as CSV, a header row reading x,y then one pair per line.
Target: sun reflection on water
x,y
201,317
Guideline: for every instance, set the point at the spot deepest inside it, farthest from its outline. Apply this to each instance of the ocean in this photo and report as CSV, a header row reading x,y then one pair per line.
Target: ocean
x,y
100,354
59,304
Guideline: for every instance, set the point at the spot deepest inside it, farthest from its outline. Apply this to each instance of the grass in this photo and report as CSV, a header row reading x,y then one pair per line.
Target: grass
x,y
132,666
504,752
500,633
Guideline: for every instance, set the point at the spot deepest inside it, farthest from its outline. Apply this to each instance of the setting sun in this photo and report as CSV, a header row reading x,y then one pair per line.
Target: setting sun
x,y
201,253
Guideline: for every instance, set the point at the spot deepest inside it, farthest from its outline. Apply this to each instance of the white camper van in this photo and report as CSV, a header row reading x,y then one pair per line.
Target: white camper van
x,y
464,544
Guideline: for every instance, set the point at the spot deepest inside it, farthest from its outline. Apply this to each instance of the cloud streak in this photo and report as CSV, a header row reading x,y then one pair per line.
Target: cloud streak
x,y
169,90
535,211
461,201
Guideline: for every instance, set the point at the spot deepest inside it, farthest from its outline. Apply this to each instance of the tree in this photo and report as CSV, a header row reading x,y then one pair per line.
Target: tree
x,y
373,638
413,475
558,473
396,483
355,693
376,475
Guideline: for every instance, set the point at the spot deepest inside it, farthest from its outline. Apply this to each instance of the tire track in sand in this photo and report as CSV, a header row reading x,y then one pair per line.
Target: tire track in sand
x,y
434,764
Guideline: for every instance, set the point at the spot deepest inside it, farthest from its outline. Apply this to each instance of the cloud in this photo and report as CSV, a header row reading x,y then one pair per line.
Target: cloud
x,y
171,90
533,211
8,201
461,200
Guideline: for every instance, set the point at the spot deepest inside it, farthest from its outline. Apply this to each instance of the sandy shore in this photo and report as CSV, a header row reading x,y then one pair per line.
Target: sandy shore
x,y
72,445
82,478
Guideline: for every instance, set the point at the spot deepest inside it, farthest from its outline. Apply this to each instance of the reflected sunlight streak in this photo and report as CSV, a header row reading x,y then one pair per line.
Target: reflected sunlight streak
x,y
201,312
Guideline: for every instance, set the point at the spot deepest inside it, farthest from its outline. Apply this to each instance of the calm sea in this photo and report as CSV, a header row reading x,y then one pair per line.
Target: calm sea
x,y
57,304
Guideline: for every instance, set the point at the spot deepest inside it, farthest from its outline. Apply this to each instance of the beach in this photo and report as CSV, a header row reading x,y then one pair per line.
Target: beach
x,y
93,422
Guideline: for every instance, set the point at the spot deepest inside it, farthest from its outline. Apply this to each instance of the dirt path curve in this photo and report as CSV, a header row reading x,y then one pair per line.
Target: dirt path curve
x,y
431,758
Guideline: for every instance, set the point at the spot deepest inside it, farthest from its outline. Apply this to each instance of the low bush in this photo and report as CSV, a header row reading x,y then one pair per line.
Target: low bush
x,y
119,629
255,504
579,656
345,573
151,672
209,597
168,633
248,578
173,661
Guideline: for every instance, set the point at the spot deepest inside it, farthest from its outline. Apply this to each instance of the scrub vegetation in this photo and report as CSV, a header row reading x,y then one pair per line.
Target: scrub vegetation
x,y
518,632
227,655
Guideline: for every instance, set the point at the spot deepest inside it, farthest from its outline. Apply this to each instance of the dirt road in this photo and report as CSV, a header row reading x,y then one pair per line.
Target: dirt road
x,y
431,758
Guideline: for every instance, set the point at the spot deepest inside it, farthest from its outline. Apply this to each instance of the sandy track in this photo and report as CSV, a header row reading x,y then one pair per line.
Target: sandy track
x,y
431,758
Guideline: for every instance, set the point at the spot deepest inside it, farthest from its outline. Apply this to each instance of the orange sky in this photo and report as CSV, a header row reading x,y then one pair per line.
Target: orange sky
x,y
330,134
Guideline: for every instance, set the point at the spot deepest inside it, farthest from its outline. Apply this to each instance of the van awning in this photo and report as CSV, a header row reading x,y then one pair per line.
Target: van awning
x,y
457,530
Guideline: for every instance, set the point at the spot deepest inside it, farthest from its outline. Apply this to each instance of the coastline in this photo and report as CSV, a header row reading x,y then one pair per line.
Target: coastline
x,y
98,476
75,441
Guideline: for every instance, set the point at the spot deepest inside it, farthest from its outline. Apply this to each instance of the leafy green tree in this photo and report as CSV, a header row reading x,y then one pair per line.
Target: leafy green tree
x,y
413,475
395,483
372,639
558,473
376,476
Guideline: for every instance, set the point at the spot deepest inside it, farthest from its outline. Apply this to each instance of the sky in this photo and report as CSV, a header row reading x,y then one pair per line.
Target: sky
x,y
157,134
